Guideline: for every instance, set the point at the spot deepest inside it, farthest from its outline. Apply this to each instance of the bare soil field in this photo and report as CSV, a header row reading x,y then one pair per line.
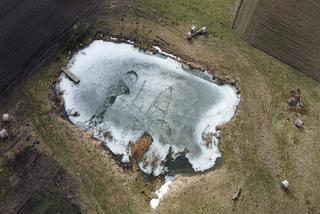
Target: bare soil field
x,y
260,147
31,32
288,30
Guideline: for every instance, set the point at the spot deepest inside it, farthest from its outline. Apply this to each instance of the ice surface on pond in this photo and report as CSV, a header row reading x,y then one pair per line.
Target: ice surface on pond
x,y
124,93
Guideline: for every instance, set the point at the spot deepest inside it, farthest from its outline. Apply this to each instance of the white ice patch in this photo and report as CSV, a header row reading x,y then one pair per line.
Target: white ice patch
x,y
154,203
165,54
124,93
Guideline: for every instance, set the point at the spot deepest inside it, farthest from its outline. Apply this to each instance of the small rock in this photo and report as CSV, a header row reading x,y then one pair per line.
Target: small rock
x,y
298,123
217,134
193,29
231,82
189,35
295,100
74,113
204,30
3,134
285,185
5,117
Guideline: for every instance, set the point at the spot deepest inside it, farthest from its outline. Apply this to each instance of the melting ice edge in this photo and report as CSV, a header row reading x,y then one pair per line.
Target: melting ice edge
x,y
124,93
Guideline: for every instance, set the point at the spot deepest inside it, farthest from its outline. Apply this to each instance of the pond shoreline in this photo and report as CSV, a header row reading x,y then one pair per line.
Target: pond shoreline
x,y
148,53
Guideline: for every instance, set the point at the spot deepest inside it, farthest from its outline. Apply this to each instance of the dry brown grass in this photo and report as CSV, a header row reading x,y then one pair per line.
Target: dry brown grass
x,y
141,146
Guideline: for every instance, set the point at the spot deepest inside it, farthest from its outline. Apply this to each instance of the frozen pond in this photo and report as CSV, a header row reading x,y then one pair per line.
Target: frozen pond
x,y
125,93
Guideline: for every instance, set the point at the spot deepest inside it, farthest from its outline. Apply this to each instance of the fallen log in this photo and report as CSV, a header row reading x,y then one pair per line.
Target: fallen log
x,y
71,76
193,33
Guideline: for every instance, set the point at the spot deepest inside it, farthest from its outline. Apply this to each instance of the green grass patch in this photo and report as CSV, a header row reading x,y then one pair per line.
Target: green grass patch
x,y
47,203
217,15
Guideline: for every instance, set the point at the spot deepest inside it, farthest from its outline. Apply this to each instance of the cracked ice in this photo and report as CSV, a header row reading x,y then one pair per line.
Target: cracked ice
x,y
125,92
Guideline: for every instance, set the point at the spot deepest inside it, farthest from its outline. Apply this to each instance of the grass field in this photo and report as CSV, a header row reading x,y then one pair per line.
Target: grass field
x,y
260,147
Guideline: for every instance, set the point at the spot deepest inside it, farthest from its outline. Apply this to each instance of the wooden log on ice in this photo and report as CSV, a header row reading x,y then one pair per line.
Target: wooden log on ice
x,y
71,76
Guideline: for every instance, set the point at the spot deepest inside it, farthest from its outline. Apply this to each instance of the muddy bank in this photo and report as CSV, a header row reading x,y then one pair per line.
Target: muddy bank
x,y
33,31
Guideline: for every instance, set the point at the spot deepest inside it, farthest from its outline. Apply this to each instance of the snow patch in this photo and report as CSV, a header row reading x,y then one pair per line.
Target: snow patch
x,y
154,203
165,53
